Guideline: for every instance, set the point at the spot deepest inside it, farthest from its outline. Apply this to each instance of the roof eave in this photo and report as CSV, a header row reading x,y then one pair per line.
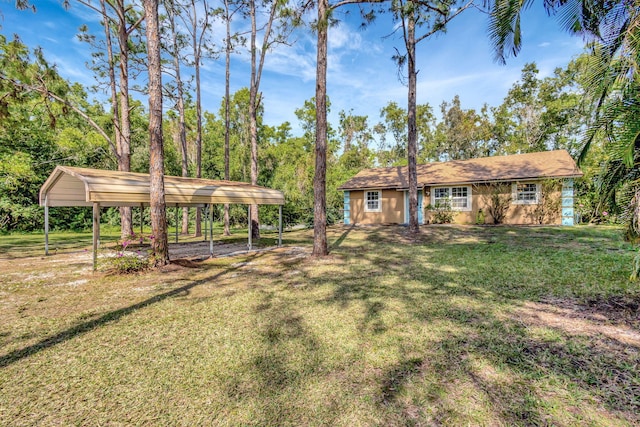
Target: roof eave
x,y
431,184
506,179
368,187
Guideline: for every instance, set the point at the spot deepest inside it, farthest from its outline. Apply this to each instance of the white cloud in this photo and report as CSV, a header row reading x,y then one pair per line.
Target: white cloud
x,y
343,37
292,62
72,69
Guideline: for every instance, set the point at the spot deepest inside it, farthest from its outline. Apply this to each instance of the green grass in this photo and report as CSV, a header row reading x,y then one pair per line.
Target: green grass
x,y
460,326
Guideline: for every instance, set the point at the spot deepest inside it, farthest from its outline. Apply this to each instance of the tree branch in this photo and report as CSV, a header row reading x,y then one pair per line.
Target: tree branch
x,y
95,9
46,92
346,2
135,25
445,22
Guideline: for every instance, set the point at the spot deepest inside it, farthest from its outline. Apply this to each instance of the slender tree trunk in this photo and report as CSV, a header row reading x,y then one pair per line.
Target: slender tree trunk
x,y
124,161
160,244
178,141
320,247
254,101
120,112
412,136
198,231
197,55
112,81
227,107
182,127
121,115
253,126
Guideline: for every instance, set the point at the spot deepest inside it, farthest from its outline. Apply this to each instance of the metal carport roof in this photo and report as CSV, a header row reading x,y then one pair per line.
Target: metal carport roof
x,y
97,188
72,186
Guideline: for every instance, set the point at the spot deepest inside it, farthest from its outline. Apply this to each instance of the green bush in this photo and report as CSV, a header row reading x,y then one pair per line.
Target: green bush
x,y
124,264
441,213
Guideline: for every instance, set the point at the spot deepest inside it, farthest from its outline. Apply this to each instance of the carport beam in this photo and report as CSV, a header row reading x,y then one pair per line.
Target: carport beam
x,y
279,225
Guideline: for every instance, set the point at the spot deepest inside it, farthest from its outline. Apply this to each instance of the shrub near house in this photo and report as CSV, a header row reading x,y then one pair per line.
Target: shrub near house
x,y
533,188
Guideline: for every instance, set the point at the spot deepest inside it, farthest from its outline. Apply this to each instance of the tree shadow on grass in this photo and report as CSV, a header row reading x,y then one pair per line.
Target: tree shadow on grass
x,y
342,237
286,359
524,372
395,378
515,377
110,317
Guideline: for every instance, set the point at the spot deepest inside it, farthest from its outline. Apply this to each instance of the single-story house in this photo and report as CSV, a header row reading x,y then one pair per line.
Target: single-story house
x,y
532,188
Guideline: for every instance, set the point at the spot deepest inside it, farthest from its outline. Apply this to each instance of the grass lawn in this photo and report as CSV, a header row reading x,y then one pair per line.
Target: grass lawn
x,y
461,326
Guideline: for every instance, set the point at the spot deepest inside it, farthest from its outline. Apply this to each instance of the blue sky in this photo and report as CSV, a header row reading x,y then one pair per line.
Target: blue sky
x,y
362,76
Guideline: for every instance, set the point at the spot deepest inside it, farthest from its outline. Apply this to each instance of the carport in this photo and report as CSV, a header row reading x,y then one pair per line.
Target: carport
x,y
97,188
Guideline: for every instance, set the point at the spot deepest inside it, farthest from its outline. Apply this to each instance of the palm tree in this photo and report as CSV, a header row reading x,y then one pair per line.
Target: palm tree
x,y
613,85
610,22
612,28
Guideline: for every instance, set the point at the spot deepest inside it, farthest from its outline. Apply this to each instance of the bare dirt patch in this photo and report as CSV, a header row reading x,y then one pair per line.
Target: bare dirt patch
x,y
200,250
619,322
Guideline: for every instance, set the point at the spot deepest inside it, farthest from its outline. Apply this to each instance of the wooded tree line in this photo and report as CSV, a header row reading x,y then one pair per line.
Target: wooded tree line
x,y
48,120
537,114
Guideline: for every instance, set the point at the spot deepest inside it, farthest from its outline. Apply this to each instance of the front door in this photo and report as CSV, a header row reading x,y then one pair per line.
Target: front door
x,y
406,207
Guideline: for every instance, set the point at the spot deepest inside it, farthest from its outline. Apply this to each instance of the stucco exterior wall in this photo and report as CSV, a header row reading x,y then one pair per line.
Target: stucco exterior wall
x,y
392,208
516,213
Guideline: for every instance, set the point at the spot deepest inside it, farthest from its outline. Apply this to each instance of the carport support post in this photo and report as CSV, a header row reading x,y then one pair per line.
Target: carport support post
x,y
46,225
279,225
141,218
176,222
210,230
96,234
208,223
249,220
204,214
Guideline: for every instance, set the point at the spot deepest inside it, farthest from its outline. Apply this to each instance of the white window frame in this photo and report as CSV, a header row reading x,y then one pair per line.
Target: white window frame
x,y
435,200
450,197
366,200
523,201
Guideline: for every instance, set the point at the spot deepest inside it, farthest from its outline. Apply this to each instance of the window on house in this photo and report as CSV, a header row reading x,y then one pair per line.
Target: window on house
x,y
525,193
441,197
373,202
460,198
455,198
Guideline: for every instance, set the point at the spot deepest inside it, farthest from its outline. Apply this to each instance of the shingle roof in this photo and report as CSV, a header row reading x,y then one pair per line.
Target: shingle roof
x,y
546,164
